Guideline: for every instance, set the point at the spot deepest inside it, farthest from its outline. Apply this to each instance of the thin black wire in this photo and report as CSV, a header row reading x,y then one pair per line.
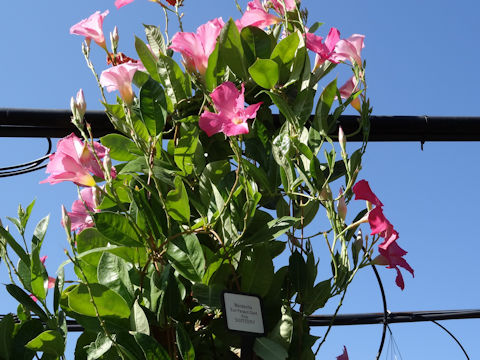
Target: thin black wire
x,y
28,166
385,312
453,337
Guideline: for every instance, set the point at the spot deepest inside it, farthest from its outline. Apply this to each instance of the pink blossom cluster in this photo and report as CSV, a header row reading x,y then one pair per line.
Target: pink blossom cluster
x,y
391,254
75,161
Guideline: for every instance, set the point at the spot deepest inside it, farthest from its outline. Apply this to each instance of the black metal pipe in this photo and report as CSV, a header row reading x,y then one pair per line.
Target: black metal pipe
x,y
393,317
56,124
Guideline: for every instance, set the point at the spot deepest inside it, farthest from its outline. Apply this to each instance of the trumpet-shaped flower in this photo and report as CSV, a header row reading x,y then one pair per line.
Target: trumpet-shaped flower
x,y
80,217
91,28
392,256
362,191
281,5
231,117
196,48
74,161
347,89
325,51
350,49
344,355
256,15
120,78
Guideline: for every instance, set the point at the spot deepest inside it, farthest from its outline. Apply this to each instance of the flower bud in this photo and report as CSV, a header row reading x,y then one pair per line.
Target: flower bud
x,y
107,166
358,243
66,222
342,206
342,140
96,192
114,39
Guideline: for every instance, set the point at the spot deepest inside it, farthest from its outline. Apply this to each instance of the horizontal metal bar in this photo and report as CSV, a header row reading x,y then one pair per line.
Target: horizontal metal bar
x,y
56,124
360,319
393,317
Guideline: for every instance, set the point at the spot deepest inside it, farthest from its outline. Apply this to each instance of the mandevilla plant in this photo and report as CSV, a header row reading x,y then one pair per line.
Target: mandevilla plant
x,y
199,189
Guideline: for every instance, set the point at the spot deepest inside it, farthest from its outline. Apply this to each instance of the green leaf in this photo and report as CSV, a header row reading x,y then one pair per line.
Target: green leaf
x,y
109,303
15,246
26,214
150,347
184,343
284,54
27,331
231,50
318,297
269,350
38,274
256,270
297,269
283,107
117,229
153,106
49,341
265,73
23,298
208,296
6,332
155,39
320,120
215,70
282,332
40,230
184,152
256,43
121,147
99,347
147,58
112,272
59,281
164,295
138,320
186,256
272,229
177,202
173,79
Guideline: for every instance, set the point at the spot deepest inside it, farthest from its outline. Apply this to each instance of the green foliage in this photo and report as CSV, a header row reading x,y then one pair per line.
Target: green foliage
x,y
188,216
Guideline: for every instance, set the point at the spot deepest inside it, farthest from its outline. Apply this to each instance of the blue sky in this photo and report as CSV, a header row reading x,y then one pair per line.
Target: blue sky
x,y
422,59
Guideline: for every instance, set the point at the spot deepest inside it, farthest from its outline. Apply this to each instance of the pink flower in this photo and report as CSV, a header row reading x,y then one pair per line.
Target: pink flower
x,y
196,48
344,355
74,161
350,49
256,15
120,3
392,256
289,5
91,28
79,216
325,51
51,280
347,89
362,191
231,117
120,78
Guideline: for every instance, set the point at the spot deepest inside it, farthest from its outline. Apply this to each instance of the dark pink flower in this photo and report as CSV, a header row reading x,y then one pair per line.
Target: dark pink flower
x,y
91,28
80,217
362,191
344,355
120,78
325,51
74,161
256,15
392,256
350,49
196,48
231,117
